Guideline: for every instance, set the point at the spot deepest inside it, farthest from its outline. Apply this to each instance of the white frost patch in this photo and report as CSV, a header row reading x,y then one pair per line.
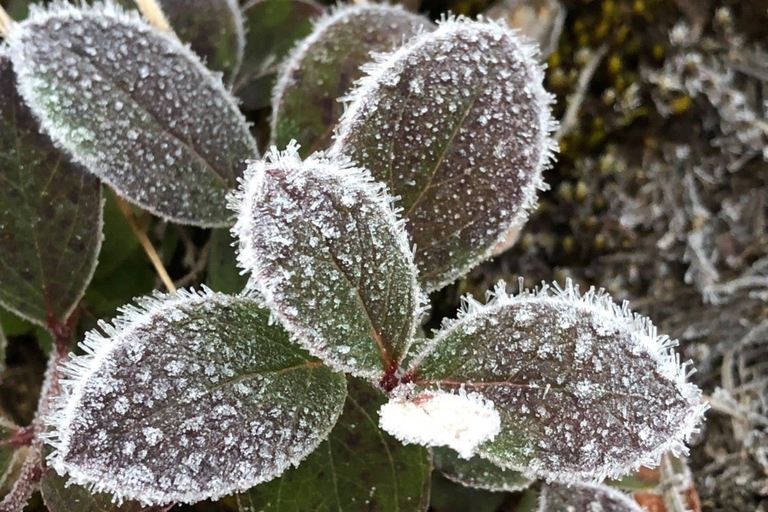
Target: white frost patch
x,y
461,422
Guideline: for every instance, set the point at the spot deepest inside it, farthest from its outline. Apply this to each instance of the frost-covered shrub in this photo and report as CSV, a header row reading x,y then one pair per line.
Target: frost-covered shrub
x,y
319,370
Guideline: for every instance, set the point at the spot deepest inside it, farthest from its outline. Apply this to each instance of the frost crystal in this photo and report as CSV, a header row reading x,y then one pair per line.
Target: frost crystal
x,y
325,65
585,498
460,421
332,260
135,107
190,396
585,388
458,125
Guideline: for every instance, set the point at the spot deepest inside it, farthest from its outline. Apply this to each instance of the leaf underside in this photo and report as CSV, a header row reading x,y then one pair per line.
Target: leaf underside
x,y
135,107
274,26
477,472
359,467
456,123
192,396
213,29
331,259
586,497
7,452
60,497
584,389
50,215
324,67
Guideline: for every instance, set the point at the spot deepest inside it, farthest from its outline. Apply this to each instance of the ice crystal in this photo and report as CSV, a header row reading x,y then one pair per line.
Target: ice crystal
x,y
187,397
325,65
585,388
477,472
585,498
458,125
331,258
135,107
460,421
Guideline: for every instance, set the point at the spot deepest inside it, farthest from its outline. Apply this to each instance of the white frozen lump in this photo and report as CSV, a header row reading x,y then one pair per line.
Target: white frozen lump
x,y
331,259
585,388
459,421
458,125
190,396
135,107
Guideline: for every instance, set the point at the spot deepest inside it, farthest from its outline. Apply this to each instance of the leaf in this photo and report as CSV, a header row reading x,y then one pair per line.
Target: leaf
x,y
135,107
213,29
223,273
325,65
8,452
458,125
562,498
331,259
59,497
3,349
50,216
359,467
584,389
477,472
190,396
274,27
448,496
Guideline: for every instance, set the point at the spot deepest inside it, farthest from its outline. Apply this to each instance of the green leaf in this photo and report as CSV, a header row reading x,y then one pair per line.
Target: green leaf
x,y
457,124
327,252
213,29
119,241
59,497
223,273
580,388
562,498
325,65
135,107
448,496
190,396
50,216
359,467
477,472
274,27
8,452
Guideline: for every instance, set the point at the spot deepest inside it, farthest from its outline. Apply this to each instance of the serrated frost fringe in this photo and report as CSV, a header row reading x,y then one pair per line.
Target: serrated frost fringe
x,y
98,345
292,62
598,302
384,63
242,202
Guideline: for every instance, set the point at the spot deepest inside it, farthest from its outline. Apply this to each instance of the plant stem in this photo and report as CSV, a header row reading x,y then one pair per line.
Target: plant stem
x,y
154,14
6,23
34,467
146,244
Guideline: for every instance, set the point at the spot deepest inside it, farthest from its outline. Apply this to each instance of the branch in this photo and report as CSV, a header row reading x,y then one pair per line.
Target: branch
x,y
6,23
146,244
154,14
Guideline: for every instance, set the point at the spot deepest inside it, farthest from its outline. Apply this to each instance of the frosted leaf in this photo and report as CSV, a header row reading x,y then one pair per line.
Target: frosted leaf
x,y
325,65
8,452
187,397
458,125
135,107
50,216
213,29
274,27
584,498
585,388
60,497
477,472
331,259
358,468
461,421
